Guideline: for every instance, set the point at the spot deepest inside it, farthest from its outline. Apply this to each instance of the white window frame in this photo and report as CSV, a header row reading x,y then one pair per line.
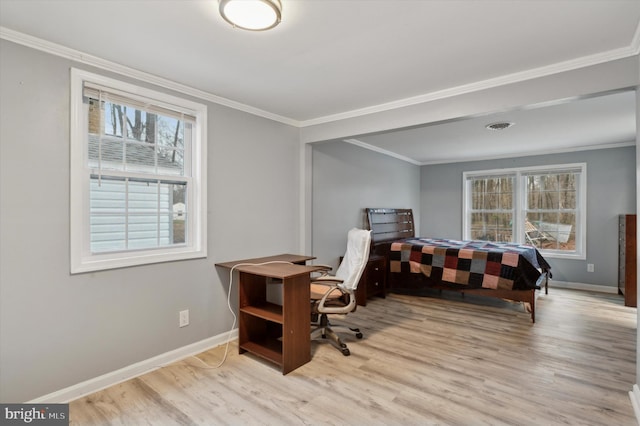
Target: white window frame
x,y
519,203
82,260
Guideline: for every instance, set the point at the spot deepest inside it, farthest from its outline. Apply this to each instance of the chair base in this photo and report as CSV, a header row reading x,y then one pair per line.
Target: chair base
x,y
324,329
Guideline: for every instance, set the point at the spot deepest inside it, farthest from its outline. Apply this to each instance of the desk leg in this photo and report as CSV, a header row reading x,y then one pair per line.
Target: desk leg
x,y
296,329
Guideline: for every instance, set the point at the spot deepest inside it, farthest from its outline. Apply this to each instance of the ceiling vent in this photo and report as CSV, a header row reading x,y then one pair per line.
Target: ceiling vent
x,y
499,126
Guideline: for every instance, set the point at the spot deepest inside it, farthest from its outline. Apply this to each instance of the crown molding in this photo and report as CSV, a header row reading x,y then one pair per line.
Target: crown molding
x,y
635,43
381,151
94,61
570,65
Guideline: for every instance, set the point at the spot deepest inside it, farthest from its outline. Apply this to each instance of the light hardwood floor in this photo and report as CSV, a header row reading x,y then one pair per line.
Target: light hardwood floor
x,y
423,361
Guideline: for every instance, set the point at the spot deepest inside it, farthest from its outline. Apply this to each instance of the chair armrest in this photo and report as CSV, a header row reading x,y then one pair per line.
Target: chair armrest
x,y
324,271
326,279
323,266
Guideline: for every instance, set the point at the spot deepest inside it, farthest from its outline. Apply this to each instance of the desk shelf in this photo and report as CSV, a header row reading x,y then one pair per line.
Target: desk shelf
x,y
268,311
271,350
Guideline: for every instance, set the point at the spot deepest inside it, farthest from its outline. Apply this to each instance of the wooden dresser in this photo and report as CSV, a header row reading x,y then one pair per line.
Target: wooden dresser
x,y
373,281
627,267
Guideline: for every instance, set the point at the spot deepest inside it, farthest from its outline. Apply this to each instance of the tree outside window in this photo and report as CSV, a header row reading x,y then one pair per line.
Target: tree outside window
x,y
543,207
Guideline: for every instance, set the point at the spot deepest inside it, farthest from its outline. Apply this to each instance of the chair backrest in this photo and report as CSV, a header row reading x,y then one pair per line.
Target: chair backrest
x,y
355,258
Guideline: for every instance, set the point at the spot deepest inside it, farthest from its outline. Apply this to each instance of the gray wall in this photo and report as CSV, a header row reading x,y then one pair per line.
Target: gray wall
x,y
346,180
611,190
58,330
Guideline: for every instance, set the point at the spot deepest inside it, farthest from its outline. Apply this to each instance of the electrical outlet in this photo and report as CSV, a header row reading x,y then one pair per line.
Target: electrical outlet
x,y
589,267
184,318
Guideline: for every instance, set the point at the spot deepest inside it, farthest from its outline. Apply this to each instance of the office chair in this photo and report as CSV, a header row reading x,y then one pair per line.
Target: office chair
x,y
337,294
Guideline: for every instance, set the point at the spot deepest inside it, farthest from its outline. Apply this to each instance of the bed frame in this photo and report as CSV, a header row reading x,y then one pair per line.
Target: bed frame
x,y
389,225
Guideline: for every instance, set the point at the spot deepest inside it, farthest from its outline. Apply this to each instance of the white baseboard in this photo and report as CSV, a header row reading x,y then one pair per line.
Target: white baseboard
x,y
635,401
90,386
583,286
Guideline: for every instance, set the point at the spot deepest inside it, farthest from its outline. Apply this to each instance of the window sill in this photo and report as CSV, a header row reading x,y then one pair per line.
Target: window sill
x,y
108,261
557,255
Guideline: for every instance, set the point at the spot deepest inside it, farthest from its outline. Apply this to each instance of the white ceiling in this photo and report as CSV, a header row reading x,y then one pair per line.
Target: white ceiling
x,y
596,122
329,58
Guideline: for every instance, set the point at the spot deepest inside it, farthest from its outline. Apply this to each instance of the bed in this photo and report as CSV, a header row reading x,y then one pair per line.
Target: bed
x,y
503,270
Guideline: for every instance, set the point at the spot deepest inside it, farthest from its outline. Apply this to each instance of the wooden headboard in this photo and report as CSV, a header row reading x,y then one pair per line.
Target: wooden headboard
x,y
388,225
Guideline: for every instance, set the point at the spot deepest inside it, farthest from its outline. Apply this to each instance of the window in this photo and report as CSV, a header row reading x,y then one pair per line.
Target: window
x,y
541,206
138,175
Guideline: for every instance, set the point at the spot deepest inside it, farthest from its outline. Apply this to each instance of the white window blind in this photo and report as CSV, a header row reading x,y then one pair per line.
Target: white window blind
x,y
102,93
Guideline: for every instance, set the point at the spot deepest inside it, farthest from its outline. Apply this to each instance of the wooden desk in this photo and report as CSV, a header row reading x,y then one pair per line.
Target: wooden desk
x,y
292,258
280,334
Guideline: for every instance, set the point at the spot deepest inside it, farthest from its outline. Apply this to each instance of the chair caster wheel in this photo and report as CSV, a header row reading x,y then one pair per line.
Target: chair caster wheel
x,y
346,352
358,335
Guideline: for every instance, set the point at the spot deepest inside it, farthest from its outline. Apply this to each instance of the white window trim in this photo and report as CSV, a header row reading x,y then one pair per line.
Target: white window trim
x,y
81,258
519,201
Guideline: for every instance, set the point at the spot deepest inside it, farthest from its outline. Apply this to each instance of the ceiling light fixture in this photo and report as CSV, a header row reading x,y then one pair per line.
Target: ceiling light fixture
x,y
499,126
252,15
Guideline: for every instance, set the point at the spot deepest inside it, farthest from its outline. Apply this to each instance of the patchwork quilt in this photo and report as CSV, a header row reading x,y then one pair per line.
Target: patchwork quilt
x,y
470,264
